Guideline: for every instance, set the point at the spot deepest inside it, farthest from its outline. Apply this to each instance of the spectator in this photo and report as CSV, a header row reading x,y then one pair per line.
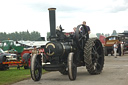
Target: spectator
x,y
115,49
119,49
74,29
122,48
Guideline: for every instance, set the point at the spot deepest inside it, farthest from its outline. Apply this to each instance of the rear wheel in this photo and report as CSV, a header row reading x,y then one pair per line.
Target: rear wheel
x,y
94,56
27,65
27,58
36,67
64,71
72,68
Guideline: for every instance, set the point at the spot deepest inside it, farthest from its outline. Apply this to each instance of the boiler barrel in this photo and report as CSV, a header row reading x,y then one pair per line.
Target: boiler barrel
x,y
58,49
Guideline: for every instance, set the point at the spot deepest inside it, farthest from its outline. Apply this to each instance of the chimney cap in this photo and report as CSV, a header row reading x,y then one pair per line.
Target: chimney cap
x,y
51,8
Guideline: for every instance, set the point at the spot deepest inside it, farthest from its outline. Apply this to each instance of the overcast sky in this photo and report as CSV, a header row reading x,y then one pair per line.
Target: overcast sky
x,y
103,16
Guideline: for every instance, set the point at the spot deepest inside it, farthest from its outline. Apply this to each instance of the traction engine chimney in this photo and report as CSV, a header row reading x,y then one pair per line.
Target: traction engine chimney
x,y
52,20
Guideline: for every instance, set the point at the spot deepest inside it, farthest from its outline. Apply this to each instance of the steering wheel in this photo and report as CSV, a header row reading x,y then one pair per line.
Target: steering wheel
x,y
80,36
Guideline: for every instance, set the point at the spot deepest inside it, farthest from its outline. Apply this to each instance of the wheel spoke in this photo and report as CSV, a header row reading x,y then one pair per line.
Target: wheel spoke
x,y
100,56
98,47
94,52
80,39
37,65
94,48
99,65
95,57
96,66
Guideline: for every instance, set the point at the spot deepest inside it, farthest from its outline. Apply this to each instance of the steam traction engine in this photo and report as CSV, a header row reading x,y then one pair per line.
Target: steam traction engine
x,y
66,53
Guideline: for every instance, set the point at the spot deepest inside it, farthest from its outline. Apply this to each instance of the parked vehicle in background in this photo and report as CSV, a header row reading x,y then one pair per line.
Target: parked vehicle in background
x,y
5,57
20,53
109,42
124,39
102,39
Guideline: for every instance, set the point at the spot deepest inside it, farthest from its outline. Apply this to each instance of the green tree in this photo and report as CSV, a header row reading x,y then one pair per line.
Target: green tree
x,y
106,35
102,33
3,36
114,33
35,35
48,34
125,31
25,35
98,35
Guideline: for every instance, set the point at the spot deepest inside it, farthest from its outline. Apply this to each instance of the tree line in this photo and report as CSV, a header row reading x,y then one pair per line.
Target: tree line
x,y
25,35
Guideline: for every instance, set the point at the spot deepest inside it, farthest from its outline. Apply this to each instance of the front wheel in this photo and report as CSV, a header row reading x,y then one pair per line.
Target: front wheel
x,y
72,68
36,67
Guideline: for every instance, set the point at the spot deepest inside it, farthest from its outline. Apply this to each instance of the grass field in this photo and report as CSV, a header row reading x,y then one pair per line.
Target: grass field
x,y
13,75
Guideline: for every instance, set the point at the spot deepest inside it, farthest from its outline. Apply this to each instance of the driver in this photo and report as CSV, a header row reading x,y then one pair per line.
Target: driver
x,y
88,28
85,30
